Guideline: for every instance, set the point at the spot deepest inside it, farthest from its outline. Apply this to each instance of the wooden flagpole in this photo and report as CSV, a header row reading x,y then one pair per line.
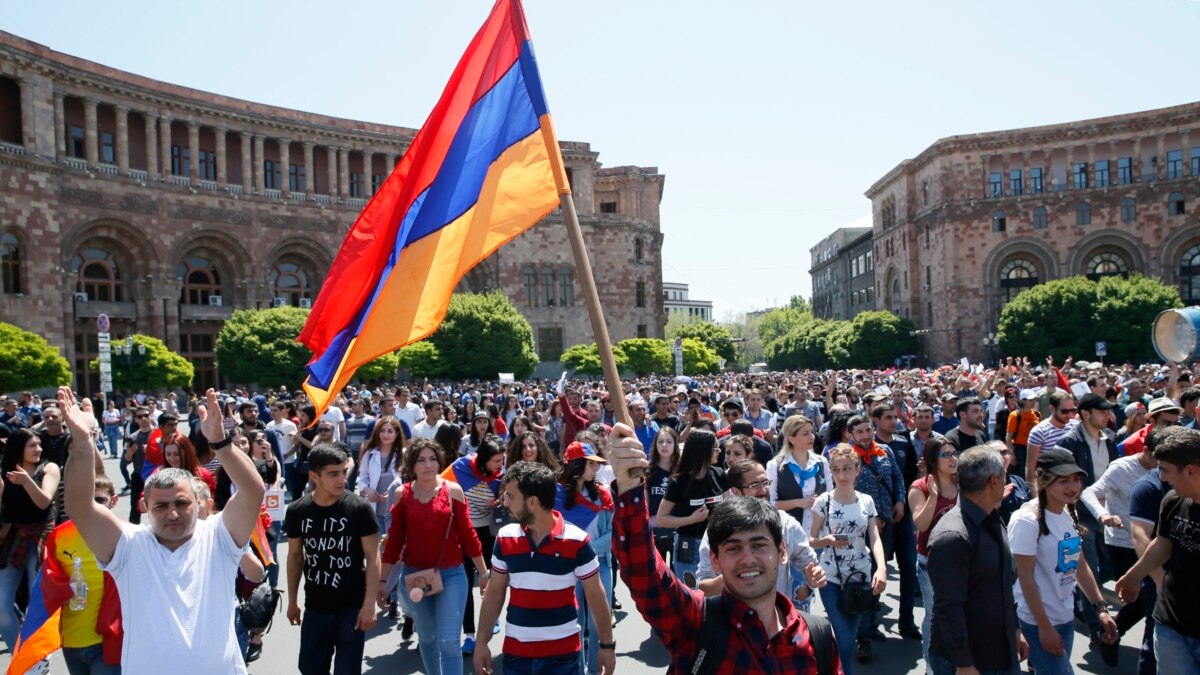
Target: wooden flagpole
x,y
612,378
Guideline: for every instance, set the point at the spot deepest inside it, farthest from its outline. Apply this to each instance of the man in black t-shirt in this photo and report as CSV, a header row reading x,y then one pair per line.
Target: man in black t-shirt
x,y
1176,547
970,431
135,454
333,540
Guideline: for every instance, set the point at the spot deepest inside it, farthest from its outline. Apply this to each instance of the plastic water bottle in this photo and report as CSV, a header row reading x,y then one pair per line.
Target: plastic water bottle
x,y
79,589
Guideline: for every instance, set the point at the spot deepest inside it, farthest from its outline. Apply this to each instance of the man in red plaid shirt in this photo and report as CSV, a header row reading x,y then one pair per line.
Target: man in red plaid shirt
x,y
766,634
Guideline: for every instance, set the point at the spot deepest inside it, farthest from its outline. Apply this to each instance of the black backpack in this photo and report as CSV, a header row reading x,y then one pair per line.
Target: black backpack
x,y
714,632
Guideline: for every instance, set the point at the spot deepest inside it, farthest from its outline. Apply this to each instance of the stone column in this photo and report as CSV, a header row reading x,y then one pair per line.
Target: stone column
x,y
1005,183
1161,171
28,129
331,170
368,183
1186,152
1026,176
259,164
308,169
164,127
91,132
246,162
194,152
392,158
122,140
344,172
1137,160
60,127
1092,163
151,146
222,157
285,159
987,188
1070,167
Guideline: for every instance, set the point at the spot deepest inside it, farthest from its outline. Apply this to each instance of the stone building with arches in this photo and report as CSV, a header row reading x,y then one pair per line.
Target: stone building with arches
x,y
965,226
167,208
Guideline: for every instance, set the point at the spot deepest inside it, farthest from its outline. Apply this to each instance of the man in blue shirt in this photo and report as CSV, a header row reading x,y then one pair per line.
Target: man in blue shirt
x,y
645,428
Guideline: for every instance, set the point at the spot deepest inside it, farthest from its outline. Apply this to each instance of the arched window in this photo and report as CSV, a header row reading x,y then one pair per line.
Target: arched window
x,y
1189,276
1128,210
99,276
200,281
10,264
1016,275
566,287
1176,205
639,251
289,280
547,287
1083,214
529,279
999,221
1041,218
1106,264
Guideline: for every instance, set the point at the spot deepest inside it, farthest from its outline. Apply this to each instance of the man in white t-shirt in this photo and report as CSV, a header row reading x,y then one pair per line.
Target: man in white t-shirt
x,y
406,411
284,430
335,415
427,427
175,573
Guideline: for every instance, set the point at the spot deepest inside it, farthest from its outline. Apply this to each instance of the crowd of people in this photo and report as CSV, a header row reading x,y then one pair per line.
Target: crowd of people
x,y
753,518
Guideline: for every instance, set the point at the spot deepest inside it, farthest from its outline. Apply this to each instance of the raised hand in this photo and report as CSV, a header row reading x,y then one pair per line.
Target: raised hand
x,y
211,420
627,457
78,421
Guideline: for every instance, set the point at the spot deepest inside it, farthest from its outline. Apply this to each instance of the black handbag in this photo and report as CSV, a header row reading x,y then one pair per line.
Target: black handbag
x,y
855,595
501,516
258,611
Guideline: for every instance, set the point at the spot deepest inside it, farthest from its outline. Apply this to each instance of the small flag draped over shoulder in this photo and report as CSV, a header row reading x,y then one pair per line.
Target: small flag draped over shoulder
x,y
485,167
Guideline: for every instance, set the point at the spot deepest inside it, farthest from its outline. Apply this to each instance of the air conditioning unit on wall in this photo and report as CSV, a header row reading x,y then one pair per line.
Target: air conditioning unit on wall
x,y
215,301
81,297
305,303
279,302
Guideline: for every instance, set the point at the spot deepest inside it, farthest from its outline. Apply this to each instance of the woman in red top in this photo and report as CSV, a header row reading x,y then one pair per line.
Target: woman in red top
x,y
930,497
432,528
178,453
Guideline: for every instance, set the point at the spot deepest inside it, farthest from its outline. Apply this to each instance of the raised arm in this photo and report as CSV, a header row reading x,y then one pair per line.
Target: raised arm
x,y
99,526
241,512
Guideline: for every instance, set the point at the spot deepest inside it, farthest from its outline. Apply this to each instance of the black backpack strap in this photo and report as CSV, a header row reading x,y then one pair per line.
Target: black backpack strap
x,y
713,639
820,635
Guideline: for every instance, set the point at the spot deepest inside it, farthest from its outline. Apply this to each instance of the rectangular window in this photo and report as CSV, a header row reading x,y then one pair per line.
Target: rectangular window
x,y
208,165
1174,163
181,161
1079,173
1100,170
1195,161
1016,183
550,344
75,143
641,331
1124,170
608,207
356,185
640,293
271,175
108,153
1036,181
995,185
376,182
296,177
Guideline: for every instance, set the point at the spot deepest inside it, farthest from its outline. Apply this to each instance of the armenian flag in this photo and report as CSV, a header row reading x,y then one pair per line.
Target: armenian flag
x,y
484,167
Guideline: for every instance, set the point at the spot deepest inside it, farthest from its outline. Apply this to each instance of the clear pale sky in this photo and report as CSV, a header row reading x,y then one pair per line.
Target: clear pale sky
x,y
769,118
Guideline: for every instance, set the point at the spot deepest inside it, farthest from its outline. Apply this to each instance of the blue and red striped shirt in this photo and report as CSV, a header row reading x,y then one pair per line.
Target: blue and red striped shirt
x,y
542,616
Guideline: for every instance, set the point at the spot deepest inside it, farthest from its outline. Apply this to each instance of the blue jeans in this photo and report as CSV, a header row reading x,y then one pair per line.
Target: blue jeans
x,y
112,436
905,546
273,535
845,627
927,601
10,581
591,642
438,622
681,568
1178,650
88,661
941,666
241,633
331,638
1043,663
567,664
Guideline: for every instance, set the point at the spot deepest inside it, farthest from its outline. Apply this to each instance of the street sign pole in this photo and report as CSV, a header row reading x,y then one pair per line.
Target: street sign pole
x,y
104,348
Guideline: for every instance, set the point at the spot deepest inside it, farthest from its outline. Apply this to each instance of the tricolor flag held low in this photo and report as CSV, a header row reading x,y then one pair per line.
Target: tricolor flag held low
x,y
485,167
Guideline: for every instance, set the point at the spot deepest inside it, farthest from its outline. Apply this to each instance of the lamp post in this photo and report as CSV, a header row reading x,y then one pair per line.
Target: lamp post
x,y
128,352
991,342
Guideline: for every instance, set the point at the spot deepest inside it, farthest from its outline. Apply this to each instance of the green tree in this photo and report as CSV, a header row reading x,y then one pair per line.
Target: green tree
x,y
155,369
774,324
798,303
716,337
27,361
1066,317
382,368
803,347
258,346
421,359
484,334
878,338
698,357
647,355
584,359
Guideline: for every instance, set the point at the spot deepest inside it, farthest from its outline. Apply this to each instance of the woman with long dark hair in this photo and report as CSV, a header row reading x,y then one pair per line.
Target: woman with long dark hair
x,y
838,431
27,509
930,497
481,427
381,465
529,447
662,467
695,485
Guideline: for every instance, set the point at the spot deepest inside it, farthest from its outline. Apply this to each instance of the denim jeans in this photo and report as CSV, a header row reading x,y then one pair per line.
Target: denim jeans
x,y
566,664
241,633
591,641
438,622
88,661
845,627
10,581
1043,663
681,568
1147,664
942,666
331,638
112,436
905,545
927,601
273,535
1178,650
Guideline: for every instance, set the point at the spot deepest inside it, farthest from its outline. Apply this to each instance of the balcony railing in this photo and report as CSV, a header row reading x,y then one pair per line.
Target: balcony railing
x,y
110,169
233,189
272,194
356,202
138,174
321,199
76,163
181,180
209,185
297,196
12,148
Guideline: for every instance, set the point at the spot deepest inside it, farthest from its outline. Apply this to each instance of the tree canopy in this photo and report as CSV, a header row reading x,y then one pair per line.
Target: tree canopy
x,y
258,346
27,361
484,334
716,337
647,355
698,358
158,368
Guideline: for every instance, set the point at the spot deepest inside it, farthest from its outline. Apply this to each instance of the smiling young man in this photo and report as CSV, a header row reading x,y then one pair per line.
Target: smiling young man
x,y
746,535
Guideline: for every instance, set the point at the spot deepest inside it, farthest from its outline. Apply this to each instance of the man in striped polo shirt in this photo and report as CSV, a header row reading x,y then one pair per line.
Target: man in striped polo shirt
x,y
540,556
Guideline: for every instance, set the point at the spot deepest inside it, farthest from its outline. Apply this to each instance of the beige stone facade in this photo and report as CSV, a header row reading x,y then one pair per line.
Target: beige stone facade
x,y
974,219
167,208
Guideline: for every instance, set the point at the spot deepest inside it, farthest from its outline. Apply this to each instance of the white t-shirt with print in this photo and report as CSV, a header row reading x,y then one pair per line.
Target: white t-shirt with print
x,y
851,519
1058,555
178,605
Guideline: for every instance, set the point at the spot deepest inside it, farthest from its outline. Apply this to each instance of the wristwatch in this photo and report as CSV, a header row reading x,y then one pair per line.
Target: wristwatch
x,y
608,645
1100,606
